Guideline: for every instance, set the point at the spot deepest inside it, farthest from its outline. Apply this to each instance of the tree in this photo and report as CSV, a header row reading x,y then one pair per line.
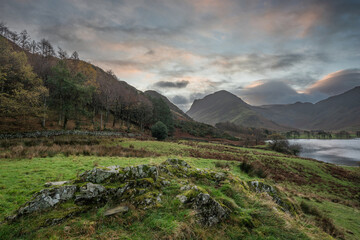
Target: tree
x,y
62,54
20,88
4,29
159,131
75,55
69,93
279,143
46,49
161,112
33,47
24,40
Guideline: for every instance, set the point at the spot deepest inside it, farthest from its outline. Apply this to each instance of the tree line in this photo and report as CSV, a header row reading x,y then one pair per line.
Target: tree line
x,y
42,47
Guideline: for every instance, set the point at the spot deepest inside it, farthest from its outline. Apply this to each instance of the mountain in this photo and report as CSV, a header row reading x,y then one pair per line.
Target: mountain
x,y
334,113
223,106
177,112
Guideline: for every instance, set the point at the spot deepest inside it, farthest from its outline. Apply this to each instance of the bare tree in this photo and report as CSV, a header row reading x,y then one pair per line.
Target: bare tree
x,y
62,53
75,55
24,40
33,47
3,29
13,36
46,49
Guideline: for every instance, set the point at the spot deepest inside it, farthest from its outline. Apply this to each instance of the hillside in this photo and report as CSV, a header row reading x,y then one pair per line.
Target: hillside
x,y
76,94
223,106
108,83
334,113
177,112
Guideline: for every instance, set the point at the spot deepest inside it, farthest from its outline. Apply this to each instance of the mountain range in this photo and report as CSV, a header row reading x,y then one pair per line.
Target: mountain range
x,y
334,113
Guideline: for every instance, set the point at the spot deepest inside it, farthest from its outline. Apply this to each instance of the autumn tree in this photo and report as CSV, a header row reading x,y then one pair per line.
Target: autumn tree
x,y
21,90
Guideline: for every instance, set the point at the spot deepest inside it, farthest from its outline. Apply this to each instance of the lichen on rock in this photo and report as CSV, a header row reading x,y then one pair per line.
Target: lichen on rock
x,y
209,211
91,194
46,199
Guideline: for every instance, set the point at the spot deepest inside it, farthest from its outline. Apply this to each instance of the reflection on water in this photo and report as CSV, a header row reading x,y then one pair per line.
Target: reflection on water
x,y
337,151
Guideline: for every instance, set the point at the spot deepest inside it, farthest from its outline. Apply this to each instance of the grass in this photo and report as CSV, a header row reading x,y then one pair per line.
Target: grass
x,y
331,189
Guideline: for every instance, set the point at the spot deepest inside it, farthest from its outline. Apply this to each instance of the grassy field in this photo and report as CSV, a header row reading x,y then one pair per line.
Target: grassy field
x,y
331,190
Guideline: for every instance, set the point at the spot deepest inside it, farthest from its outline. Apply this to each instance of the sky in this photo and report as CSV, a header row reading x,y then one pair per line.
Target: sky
x,y
266,52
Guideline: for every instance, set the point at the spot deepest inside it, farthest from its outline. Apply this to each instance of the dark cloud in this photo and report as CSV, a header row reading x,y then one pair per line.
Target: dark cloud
x,y
231,42
168,84
178,99
256,63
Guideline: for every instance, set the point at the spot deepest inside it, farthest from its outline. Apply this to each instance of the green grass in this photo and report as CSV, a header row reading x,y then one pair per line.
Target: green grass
x,y
21,178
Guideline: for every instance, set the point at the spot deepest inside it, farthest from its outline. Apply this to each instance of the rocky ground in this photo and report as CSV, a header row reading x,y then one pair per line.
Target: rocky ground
x,y
142,187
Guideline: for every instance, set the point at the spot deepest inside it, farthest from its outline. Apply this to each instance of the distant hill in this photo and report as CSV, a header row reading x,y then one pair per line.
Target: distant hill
x,y
177,112
334,113
223,106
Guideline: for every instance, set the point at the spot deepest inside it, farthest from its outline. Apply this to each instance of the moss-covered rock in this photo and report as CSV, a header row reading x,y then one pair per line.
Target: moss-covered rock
x,y
209,211
46,199
278,198
91,194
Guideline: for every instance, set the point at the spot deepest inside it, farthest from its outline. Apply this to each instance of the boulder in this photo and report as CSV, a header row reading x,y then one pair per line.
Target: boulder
x,y
209,211
141,171
47,198
100,175
91,194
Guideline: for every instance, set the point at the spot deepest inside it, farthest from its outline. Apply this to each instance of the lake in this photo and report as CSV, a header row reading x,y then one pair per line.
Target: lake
x,y
337,151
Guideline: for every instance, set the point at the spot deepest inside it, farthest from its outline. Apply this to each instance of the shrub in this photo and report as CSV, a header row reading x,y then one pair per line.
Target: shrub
x,y
279,143
159,131
222,165
253,169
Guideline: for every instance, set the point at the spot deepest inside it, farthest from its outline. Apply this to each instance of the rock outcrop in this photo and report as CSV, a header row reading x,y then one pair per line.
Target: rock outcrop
x,y
142,187
46,199
284,203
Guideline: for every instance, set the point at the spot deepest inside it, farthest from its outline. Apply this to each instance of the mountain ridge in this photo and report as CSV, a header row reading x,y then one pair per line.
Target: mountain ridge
x,y
223,106
333,113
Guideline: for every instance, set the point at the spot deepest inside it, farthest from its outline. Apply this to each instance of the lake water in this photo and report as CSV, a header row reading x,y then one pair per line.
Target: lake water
x,y
337,151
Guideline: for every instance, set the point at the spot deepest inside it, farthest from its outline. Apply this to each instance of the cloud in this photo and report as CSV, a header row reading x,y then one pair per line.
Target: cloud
x,y
211,44
336,83
275,91
263,63
270,92
167,84
178,99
